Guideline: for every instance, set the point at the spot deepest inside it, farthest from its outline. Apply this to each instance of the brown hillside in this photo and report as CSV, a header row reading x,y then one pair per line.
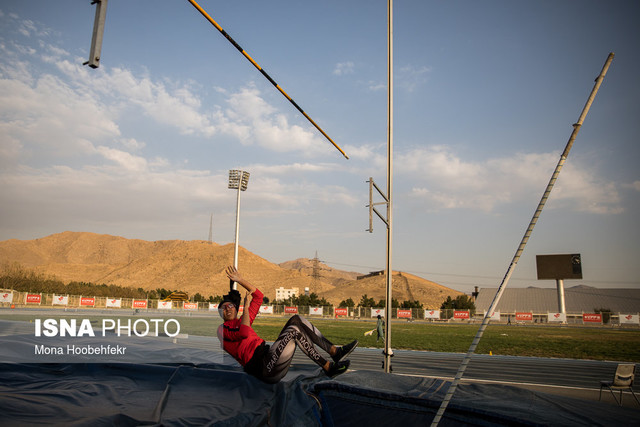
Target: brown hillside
x,y
405,287
195,266
325,273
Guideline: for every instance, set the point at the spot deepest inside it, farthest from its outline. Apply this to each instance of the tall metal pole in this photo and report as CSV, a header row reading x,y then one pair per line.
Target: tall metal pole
x,y
523,242
560,289
387,333
235,250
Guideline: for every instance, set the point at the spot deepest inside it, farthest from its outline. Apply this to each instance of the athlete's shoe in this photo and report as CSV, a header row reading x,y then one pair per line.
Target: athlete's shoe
x,y
338,368
344,351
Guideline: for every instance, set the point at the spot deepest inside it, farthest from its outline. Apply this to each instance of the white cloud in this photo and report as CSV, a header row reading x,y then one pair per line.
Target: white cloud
x,y
410,77
343,68
376,86
259,122
442,180
126,160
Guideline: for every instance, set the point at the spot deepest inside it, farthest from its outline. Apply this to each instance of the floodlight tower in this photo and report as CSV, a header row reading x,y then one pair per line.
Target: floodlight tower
x,y
238,180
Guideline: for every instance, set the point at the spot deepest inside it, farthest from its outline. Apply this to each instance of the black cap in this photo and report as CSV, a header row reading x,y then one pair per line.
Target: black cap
x,y
233,297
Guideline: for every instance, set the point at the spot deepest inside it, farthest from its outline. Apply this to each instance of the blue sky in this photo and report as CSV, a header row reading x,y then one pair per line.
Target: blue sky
x,y
485,96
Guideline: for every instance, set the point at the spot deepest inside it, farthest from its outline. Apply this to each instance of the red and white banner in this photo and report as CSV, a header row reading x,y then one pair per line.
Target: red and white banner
x,y
291,310
341,311
494,316
6,297
556,317
404,314
432,314
33,298
316,311
114,302
522,316
458,314
190,305
60,300
165,305
375,312
629,318
213,306
266,309
139,303
592,317
88,301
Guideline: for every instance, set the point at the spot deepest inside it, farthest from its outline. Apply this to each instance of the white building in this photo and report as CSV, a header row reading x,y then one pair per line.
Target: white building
x,y
283,294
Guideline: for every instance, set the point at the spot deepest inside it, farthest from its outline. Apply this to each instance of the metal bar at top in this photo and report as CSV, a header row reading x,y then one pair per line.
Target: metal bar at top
x,y
264,73
98,32
523,242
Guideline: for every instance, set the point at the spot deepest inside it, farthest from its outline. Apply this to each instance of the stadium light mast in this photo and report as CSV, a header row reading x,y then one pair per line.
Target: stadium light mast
x,y
238,180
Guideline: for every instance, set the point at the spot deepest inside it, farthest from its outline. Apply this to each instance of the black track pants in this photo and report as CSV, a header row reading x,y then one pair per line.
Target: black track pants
x,y
297,332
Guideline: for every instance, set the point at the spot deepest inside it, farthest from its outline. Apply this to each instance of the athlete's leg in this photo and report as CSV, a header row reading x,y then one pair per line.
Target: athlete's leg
x,y
312,333
301,333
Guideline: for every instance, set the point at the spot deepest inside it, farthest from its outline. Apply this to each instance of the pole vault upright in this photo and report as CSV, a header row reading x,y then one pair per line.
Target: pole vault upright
x,y
523,242
387,219
387,325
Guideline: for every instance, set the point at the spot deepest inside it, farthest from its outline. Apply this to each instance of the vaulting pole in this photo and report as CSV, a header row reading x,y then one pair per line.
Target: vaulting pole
x,y
523,242
264,73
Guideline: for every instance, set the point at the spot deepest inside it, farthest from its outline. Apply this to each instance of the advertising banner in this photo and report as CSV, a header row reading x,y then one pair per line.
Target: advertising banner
x,y
114,302
6,297
341,311
404,314
213,306
139,303
88,301
266,309
629,318
33,298
190,305
592,317
494,316
375,312
460,314
522,316
432,314
165,305
291,310
60,300
317,311
556,317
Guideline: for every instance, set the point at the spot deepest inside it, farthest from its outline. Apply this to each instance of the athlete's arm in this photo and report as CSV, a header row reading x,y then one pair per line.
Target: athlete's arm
x,y
233,274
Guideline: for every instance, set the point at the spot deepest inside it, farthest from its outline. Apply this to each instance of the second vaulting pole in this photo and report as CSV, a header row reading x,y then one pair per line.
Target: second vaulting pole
x,y
523,242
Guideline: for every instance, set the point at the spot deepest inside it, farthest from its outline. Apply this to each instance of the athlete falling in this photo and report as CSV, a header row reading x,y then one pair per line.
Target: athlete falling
x,y
270,363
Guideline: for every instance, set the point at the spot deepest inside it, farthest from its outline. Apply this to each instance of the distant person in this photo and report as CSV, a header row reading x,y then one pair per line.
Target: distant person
x,y
271,363
380,328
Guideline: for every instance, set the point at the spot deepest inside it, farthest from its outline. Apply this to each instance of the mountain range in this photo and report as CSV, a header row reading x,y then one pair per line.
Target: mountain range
x,y
198,266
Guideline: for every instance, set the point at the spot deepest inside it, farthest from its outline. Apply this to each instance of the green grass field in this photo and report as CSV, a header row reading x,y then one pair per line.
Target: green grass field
x,y
574,342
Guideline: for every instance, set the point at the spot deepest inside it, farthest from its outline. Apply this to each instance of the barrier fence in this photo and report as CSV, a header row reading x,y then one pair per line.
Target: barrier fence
x,y
9,298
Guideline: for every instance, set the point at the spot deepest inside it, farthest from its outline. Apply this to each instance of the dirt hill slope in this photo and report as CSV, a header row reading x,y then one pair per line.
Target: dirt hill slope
x,y
195,266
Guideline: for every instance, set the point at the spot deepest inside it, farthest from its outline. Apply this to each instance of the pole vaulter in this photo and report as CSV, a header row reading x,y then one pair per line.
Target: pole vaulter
x,y
264,73
523,242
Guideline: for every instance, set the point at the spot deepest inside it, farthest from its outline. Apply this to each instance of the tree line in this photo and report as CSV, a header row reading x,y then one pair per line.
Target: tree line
x,y
17,278
461,302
